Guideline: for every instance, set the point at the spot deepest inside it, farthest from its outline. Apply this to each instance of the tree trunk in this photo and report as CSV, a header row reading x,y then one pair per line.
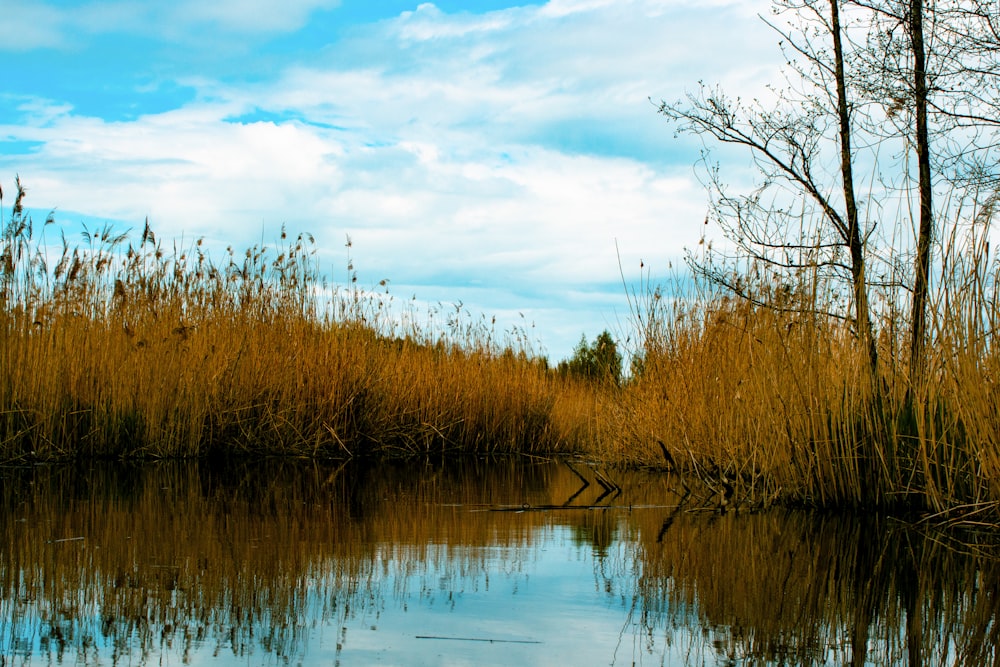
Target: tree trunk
x,y
859,283
921,281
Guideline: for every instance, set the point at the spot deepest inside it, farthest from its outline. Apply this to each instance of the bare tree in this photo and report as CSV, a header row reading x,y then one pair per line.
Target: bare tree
x,y
793,142
965,96
919,76
896,73
935,64
922,268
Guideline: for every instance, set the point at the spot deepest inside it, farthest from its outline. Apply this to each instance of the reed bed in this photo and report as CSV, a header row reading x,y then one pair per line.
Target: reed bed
x,y
122,348
127,348
777,400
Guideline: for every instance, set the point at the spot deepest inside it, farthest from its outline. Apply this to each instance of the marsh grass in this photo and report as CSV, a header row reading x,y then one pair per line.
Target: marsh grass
x,y
130,348
124,349
774,398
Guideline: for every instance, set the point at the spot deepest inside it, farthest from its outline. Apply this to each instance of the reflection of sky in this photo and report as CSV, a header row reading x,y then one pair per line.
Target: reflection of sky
x,y
277,578
550,596
551,601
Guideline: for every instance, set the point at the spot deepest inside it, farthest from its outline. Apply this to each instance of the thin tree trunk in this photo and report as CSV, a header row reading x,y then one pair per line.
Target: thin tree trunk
x,y
918,318
859,283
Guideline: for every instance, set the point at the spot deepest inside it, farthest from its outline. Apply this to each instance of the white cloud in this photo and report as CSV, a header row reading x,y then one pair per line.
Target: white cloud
x,y
562,8
428,22
188,169
33,25
30,25
252,16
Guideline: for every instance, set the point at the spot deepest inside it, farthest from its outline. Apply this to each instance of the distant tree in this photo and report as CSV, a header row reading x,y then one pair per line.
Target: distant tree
x,y
599,361
637,365
581,363
609,360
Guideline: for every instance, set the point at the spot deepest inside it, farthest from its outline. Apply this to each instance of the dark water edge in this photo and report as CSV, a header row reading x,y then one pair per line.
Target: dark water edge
x,y
508,561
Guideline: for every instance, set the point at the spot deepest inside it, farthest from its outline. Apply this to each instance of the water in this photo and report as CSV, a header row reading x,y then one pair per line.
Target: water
x,y
505,562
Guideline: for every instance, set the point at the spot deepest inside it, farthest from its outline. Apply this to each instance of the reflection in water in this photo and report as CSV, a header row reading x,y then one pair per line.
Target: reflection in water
x,y
462,563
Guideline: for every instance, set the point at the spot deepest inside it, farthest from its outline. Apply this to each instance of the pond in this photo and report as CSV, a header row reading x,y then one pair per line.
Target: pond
x,y
475,562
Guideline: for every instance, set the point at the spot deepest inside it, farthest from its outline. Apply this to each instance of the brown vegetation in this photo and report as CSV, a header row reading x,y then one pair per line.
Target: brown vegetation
x,y
777,404
127,351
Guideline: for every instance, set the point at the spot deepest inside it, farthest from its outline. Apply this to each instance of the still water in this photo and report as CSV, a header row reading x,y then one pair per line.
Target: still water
x,y
502,562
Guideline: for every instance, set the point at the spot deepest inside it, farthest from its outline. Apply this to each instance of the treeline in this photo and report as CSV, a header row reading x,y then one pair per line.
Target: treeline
x,y
598,361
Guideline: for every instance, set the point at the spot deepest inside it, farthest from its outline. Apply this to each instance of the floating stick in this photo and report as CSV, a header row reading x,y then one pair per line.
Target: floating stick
x,y
480,639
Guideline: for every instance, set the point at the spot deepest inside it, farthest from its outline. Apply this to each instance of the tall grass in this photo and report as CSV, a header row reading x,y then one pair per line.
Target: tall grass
x,y
774,398
123,347
131,349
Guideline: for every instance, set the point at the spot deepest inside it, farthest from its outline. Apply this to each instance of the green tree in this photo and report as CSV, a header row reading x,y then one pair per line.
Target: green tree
x,y
599,361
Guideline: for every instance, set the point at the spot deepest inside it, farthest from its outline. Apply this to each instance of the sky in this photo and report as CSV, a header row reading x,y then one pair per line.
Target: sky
x,y
505,156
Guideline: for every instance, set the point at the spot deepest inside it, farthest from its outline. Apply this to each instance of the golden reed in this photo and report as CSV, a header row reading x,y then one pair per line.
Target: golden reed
x,y
132,350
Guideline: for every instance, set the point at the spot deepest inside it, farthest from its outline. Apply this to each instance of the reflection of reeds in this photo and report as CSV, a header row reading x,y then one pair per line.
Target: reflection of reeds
x,y
805,589
138,556
167,557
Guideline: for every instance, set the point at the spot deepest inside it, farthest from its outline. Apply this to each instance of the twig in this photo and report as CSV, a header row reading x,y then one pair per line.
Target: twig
x,y
480,639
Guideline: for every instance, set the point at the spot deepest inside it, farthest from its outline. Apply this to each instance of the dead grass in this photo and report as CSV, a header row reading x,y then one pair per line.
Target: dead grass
x,y
778,403
123,348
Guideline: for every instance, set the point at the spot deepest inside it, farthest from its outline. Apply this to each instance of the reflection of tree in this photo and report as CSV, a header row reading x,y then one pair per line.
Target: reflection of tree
x,y
801,589
598,530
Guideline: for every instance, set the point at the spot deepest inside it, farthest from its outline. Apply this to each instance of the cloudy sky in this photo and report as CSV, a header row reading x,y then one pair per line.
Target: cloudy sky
x,y
490,152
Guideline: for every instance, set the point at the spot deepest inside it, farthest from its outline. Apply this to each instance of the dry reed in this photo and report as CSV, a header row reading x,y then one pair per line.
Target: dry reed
x,y
775,400
122,349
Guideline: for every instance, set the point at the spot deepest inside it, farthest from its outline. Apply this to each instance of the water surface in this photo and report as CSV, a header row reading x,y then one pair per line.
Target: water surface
x,y
511,561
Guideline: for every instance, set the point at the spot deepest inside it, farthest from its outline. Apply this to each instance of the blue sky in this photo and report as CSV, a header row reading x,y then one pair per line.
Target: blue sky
x,y
487,152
